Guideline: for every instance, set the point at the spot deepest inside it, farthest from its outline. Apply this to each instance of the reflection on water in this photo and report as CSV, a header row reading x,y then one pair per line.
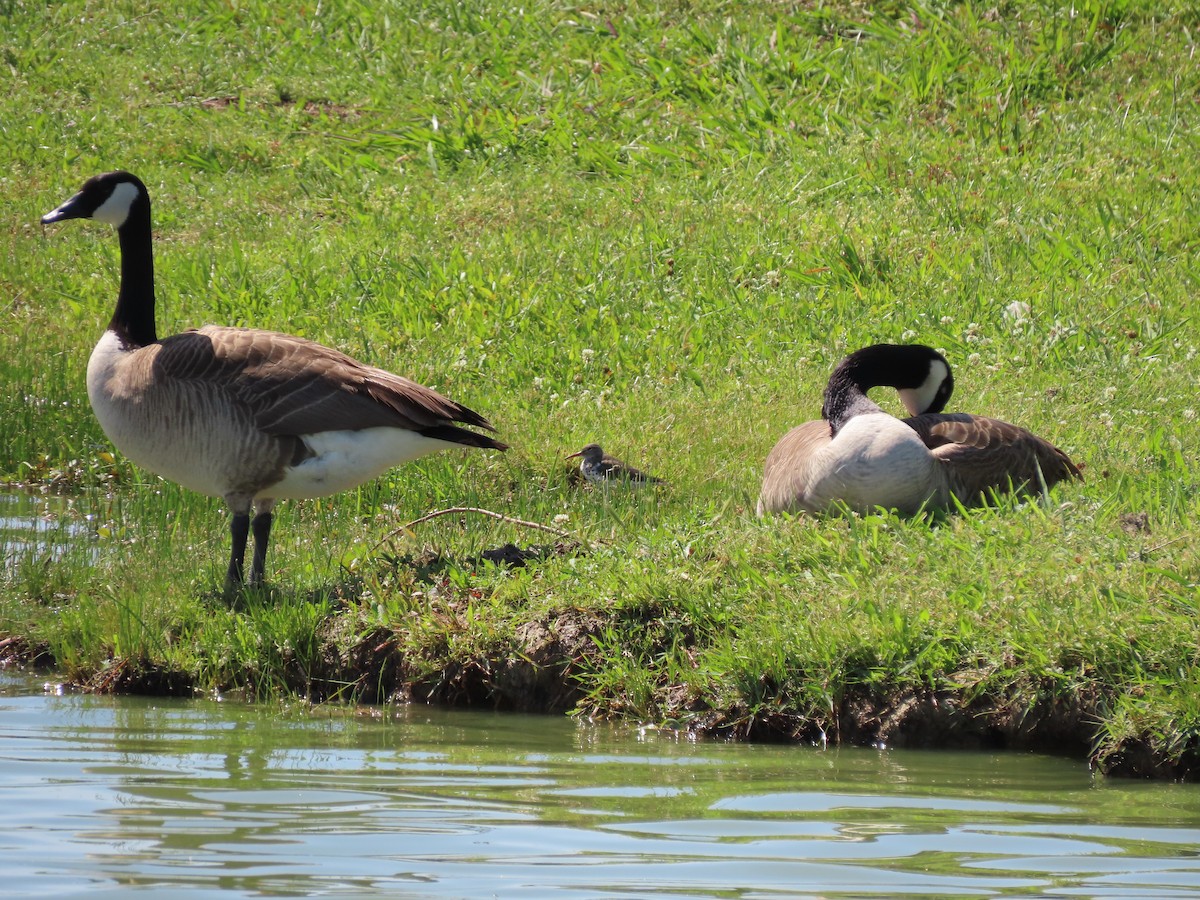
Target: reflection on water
x,y
34,523
103,795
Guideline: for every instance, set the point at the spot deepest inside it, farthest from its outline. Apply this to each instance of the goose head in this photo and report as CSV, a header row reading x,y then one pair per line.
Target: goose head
x,y
111,198
920,374
121,200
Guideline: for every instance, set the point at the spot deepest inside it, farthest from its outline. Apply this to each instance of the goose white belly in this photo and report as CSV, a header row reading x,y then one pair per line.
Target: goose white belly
x,y
875,460
345,459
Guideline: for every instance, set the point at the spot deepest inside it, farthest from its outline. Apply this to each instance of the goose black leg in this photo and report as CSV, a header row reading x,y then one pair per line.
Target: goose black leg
x,y
262,533
239,529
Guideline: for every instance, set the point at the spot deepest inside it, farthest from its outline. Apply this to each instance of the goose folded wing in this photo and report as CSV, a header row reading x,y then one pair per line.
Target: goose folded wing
x,y
293,386
987,455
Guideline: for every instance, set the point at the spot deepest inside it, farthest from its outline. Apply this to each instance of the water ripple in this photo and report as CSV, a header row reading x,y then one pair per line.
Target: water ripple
x,y
105,795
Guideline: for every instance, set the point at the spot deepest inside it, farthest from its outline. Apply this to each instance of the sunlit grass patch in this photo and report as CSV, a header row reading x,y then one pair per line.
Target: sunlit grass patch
x,y
656,227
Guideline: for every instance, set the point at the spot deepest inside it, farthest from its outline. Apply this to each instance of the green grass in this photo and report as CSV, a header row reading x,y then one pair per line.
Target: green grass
x,y
657,226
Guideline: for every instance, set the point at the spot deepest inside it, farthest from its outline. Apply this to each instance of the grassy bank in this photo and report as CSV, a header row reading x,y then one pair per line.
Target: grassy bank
x,y
657,227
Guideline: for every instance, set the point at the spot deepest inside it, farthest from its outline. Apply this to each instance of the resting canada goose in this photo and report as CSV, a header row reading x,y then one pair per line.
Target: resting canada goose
x,y
251,416
860,456
599,467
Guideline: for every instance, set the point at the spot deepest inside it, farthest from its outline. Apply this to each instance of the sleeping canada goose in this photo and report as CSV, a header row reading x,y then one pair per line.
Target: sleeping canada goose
x,y
600,468
860,456
251,416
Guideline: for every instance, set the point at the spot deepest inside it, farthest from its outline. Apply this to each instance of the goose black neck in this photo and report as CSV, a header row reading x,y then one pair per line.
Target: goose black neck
x,y
894,365
846,396
133,319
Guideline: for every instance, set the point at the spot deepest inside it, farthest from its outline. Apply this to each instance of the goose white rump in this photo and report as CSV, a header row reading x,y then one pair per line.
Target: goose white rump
x,y
345,459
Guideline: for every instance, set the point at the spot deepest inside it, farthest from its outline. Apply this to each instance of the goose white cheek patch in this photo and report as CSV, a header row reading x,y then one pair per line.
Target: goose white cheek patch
x,y
917,400
115,210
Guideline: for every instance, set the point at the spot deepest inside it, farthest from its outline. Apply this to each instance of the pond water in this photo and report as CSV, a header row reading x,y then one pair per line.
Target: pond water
x,y
43,522
102,796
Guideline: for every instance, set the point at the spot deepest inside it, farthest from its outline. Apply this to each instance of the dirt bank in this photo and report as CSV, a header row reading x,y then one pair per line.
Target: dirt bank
x,y
540,672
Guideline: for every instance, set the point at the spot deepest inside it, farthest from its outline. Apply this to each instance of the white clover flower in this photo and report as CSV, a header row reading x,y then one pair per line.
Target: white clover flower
x,y
1189,414
908,335
561,519
587,354
1059,331
1017,312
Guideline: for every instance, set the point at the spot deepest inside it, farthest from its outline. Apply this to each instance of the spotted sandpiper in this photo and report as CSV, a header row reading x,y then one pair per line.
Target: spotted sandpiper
x,y
600,468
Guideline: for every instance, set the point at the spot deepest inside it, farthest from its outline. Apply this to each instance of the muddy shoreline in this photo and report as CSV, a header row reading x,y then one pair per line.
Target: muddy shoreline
x,y
541,672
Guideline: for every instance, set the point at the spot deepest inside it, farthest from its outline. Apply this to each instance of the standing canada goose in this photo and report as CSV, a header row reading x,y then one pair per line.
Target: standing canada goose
x,y
862,457
600,468
251,416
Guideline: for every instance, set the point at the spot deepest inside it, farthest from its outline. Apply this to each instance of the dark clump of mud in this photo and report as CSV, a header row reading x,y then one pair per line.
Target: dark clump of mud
x,y
365,667
949,720
1138,759
536,672
1134,522
532,670
541,676
513,557
16,651
142,677
943,719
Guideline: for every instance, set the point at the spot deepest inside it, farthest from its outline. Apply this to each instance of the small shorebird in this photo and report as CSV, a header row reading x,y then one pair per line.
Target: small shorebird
x,y
251,416
600,468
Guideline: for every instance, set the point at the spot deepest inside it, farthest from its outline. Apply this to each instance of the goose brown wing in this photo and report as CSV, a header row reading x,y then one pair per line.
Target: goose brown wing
x,y
986,455
293,386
